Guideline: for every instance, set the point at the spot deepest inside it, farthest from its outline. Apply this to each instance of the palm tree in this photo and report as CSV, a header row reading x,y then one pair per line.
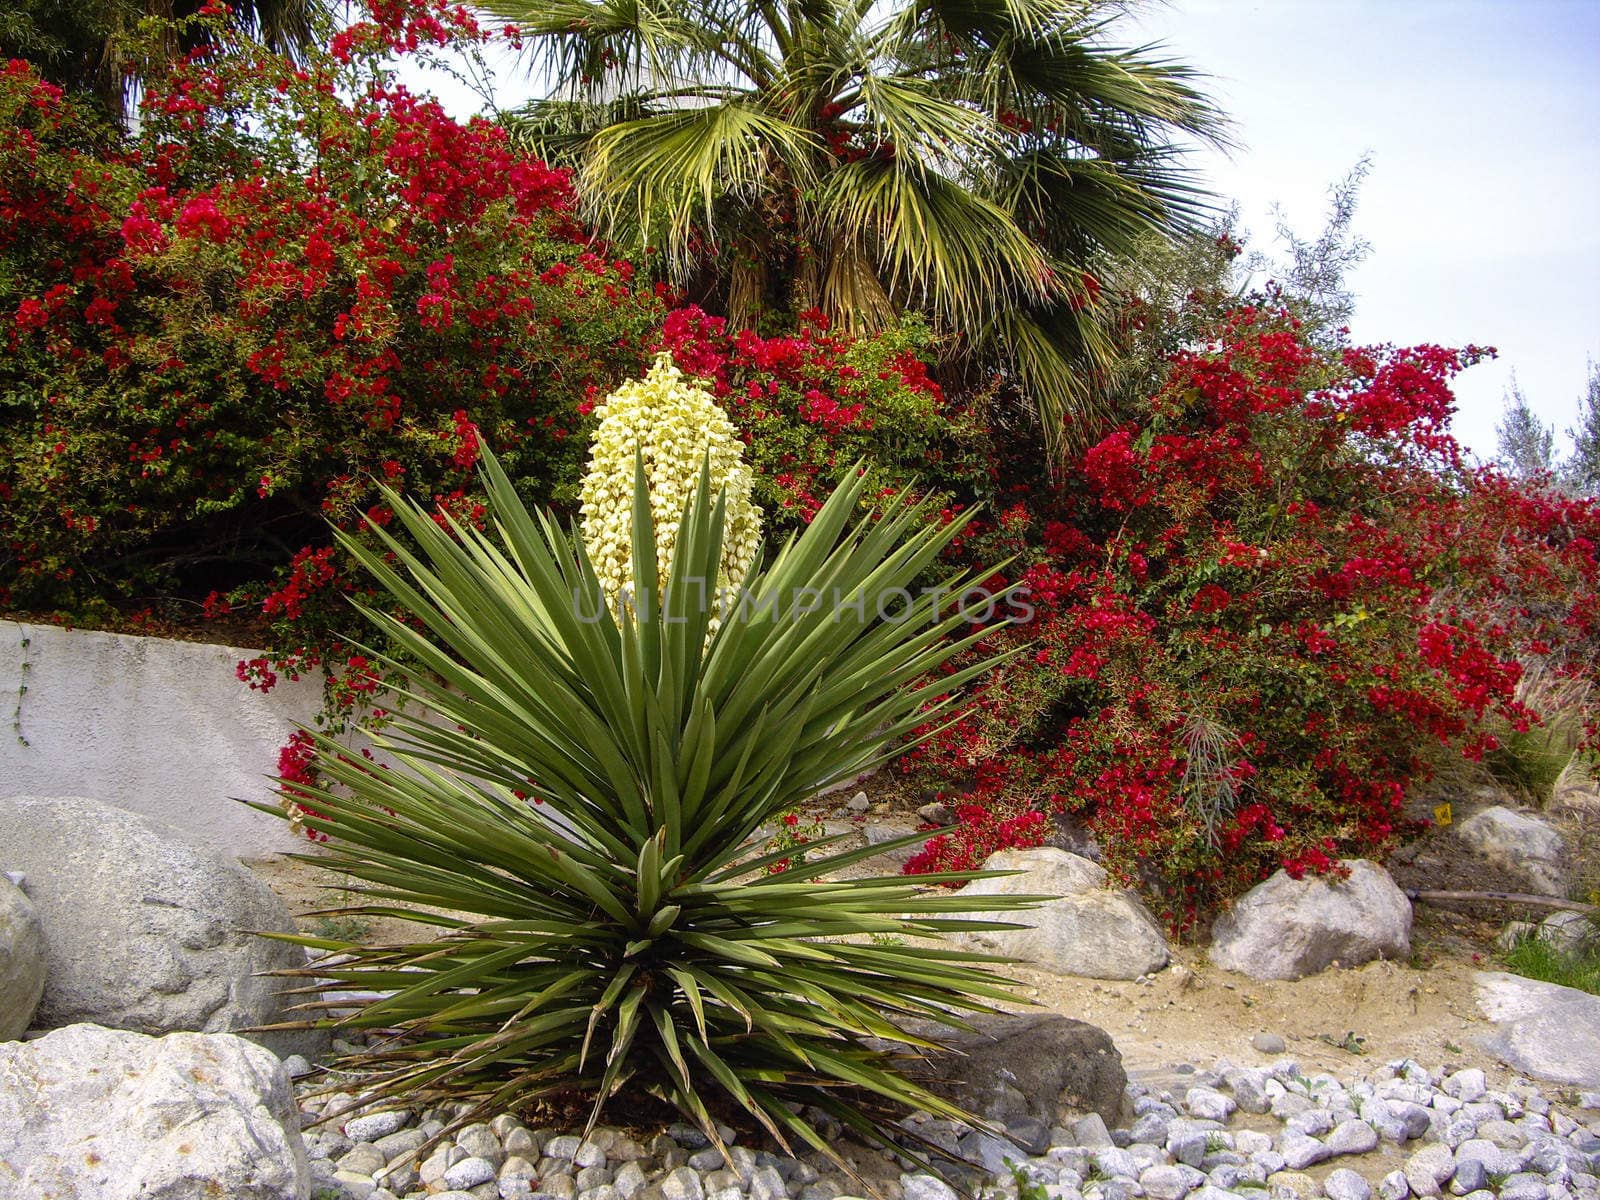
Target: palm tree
x,y
82,45
984,162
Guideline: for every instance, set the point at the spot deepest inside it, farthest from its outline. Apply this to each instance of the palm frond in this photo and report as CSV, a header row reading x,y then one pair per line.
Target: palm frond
x,y
1055,355
940,245
962,158
671,168
599,50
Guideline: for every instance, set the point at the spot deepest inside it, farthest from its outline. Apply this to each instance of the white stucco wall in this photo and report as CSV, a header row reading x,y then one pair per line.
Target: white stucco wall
x,y
158,726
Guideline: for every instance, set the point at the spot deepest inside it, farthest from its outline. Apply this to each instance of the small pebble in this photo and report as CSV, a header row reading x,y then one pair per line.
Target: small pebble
x,y
1345,1184
468,1173
372,1126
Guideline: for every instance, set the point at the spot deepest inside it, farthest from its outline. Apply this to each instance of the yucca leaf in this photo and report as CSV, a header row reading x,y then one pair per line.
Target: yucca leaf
x,y
631,910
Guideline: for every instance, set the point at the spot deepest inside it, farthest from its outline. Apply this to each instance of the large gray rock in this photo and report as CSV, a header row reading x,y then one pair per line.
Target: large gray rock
x,y
1287,928
103,1113
1037,1065
146,932
1542,1029
1521,844
1089,930
22,960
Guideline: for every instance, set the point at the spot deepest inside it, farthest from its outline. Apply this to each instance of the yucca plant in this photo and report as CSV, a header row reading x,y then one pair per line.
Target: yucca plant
x,y
582,790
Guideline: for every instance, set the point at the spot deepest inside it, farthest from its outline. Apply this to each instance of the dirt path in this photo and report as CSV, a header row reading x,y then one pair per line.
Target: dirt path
x,y
1194,1013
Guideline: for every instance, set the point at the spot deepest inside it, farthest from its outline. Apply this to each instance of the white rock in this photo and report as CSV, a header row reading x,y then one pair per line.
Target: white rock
x,y
1249,1089
1088,931
22,960
1519,843
1300,1150
1542,1029
1428,1168
682,1183
517,1167
1571,931
1495,1160
146,932
1413,1116
1353,1137
1345,1184
1467,1085
589,1154
1286,928
1470,1176
297,1065
372,1126
469,1173
925,1187
630,1178
1249,1141
1091,1132
114,1115
1208,1104
1169,1182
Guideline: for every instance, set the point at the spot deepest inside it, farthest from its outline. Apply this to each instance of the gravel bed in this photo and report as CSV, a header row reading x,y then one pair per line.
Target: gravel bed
x,y
1400,1130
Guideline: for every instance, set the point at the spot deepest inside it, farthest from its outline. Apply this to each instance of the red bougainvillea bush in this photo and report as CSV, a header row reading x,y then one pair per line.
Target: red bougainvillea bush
x,y
1274,599
293,280
298,278
813,402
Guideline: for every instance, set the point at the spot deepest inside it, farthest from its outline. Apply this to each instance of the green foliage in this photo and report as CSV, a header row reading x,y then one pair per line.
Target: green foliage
x,y
1313,275
584,802
1526,445
1028,1188
1529,763
980,163
1538,957
1583,468
93,48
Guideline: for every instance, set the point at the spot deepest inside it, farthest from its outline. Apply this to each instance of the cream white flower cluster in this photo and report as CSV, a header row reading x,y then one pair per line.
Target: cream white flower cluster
x,y
676,424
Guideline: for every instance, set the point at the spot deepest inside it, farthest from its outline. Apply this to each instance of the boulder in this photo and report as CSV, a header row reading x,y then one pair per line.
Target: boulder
x,y
87,1111
1288,928
147,932
1520,844
22,960
1542,1029
1088,930
1570,932
1014,1066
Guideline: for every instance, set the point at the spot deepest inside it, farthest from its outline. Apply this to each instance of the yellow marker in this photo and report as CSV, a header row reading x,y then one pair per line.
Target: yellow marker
x,y
1441,814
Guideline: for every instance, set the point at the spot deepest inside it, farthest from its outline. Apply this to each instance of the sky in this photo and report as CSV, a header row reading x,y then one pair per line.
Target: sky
x,y
1482,208
1483,205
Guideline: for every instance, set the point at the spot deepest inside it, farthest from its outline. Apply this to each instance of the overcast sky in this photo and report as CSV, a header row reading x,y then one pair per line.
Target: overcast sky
x,y
1483,205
